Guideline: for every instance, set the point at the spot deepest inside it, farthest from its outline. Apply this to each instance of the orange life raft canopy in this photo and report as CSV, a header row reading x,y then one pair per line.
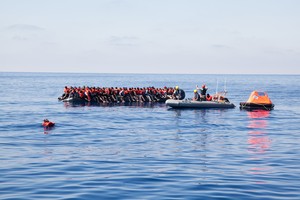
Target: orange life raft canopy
x,y
258,100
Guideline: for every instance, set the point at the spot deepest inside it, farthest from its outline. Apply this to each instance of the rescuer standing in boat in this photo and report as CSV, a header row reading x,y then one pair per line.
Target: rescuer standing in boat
x,y
178,93
203,90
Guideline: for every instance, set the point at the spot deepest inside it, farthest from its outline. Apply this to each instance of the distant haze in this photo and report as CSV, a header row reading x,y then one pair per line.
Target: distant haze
x,y
150,36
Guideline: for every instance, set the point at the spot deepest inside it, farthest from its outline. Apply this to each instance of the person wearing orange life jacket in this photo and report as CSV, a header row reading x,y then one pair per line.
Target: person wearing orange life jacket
x,y
154,93
106,94
112,94
47,124
87,93
208,97
72,93
127,95
81,94
66,91
65,94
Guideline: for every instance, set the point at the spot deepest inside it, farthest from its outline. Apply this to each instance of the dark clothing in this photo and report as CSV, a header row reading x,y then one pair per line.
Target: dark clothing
x,y
196,96
203,91
179,94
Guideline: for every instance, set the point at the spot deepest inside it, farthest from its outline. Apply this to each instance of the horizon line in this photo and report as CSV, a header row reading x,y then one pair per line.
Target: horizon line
x,y
163,73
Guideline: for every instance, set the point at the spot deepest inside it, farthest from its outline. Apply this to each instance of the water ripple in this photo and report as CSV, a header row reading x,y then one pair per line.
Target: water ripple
x,y
149,151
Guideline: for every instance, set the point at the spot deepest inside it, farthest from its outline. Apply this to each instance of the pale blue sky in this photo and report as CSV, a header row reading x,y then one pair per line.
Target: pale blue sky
x,y
150,36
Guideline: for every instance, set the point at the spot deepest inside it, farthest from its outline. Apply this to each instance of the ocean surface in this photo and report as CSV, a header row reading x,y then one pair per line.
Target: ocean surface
x,y
148,151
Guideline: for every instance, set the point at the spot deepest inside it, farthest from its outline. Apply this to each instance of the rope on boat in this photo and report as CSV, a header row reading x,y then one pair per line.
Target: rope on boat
x,y
263,105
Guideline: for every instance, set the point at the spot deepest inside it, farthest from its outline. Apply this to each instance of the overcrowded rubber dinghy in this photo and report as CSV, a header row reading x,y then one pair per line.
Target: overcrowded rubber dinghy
x,y
97,95
257,100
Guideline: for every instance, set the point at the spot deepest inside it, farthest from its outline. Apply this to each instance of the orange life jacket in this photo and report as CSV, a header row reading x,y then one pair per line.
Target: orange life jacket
x,y
48,124
66,90
209,98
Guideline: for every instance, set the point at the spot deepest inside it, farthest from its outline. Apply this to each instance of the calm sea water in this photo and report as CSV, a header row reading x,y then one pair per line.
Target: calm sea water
x,y
148,151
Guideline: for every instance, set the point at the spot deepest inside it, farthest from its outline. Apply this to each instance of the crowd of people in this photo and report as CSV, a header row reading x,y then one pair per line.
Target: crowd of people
x,y
133,94
122,94
201,96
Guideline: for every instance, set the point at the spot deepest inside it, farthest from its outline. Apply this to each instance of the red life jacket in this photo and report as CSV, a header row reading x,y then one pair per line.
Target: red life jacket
x,y
48,124
66,90
88,94
81,94
209,98
107,91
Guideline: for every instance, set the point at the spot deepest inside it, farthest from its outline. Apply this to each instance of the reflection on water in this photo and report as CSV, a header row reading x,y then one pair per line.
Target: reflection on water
x,y
103,152
258,139
191,133
195,118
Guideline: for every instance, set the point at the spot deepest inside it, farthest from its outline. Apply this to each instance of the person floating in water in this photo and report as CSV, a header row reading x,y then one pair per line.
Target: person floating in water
x,y
178,93
47,124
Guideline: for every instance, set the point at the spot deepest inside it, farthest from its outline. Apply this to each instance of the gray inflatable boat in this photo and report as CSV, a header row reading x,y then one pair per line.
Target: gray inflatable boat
x,y
188,103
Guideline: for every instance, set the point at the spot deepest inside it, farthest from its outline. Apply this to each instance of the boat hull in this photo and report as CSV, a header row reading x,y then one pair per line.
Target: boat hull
x,y
74,100
93,102
198,104
254,106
